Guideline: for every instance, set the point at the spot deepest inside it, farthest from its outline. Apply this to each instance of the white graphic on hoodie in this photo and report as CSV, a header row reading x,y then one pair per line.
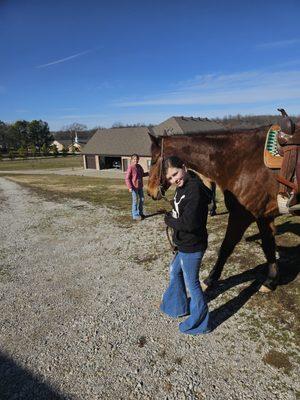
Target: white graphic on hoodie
x,y
175,213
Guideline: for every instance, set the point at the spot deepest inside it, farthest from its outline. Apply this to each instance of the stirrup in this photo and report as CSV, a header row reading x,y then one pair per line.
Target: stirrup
x,y
282,204
295,207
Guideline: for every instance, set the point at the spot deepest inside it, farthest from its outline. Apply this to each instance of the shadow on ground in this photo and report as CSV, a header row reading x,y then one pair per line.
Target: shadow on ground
x,y
289,269
19,383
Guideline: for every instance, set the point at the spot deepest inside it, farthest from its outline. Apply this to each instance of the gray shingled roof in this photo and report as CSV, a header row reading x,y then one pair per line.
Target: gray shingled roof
x,y
119,141
186,125
83,136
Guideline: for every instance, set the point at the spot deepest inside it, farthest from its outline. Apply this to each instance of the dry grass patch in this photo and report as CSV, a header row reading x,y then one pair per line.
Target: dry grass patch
x,y
106,192
42,163
278,360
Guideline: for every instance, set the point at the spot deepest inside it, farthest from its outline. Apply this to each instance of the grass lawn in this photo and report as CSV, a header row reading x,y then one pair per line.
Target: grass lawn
x,y
106,192
42,163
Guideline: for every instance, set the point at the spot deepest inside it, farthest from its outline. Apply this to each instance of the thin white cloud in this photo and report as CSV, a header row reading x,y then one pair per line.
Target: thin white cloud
x,y
62,60
279,43
223,89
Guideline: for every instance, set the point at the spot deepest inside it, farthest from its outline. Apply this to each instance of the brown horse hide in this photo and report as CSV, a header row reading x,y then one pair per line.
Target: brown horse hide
x,y
234,160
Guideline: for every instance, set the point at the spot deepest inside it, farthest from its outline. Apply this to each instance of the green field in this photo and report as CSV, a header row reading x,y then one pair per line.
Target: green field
x,y
42,163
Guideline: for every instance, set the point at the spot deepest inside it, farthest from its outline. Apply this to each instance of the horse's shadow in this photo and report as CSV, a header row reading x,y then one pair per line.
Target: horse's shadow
x,y
287,226
288,270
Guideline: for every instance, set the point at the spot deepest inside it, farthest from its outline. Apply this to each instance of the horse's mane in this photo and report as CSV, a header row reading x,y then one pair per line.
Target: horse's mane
x,y
223,133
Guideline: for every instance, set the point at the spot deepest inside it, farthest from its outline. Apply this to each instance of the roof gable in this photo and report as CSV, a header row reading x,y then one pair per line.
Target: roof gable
x,y
120,141
186,125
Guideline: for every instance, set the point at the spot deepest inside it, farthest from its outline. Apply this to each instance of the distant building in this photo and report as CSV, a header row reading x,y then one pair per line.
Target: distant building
x,y
64,139
112,148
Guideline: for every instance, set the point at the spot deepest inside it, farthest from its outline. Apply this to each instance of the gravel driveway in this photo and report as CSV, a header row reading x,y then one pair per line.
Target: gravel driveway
x,y
79,296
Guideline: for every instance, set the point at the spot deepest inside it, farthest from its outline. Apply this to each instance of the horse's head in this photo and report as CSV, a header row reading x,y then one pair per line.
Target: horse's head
x,y
157,183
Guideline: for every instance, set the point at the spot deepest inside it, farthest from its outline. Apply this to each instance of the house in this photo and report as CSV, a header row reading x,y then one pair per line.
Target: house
x,y
69,140
111,148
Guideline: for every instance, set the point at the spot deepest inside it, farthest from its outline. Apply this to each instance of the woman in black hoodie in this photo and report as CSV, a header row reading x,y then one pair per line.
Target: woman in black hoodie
x,y
188,221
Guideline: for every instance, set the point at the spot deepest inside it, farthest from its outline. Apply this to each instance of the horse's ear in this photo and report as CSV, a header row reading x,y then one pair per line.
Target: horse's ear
x,y
154,139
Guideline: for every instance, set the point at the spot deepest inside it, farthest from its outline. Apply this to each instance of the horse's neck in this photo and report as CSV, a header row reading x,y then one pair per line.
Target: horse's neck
x,y
201,155
219,155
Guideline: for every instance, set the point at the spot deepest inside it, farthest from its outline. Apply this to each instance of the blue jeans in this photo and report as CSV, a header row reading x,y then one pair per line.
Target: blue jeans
x,y
137,202
184,273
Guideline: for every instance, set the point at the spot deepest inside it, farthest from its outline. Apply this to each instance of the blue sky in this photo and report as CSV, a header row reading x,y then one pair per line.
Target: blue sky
x,y
101,62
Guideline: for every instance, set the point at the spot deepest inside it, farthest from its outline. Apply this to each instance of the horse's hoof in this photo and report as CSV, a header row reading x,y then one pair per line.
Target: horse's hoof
x,y
208,284
269,285
264,289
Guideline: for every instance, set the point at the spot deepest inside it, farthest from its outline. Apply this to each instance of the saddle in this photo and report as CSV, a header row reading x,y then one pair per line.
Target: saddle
x,y
282,152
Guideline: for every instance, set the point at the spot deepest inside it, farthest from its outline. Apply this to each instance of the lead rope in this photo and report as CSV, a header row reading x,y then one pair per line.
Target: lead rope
x,y
169,237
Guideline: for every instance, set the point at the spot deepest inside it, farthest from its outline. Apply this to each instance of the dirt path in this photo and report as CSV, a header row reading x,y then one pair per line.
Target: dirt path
x,y
79,296
104,173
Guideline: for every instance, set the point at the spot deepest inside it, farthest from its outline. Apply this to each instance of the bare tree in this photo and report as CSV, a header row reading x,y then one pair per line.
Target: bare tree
x,y
72,129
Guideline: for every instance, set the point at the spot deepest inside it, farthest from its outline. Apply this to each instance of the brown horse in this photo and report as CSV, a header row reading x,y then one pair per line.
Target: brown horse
x,y
234,160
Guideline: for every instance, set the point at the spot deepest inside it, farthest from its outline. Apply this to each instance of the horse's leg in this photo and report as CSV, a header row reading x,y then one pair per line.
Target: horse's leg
x,y
237,224
267,231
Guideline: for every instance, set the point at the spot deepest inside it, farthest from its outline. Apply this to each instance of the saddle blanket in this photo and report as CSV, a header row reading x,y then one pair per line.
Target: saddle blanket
x,y
272,158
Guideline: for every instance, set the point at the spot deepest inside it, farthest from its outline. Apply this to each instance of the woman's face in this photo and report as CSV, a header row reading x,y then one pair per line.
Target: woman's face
x,y
134,160
176,176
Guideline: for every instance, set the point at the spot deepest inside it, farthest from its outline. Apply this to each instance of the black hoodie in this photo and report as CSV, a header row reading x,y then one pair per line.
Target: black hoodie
x,y
189,215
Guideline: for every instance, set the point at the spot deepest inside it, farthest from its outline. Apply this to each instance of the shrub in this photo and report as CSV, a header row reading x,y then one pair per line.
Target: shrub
x,y
54,150
64,151
33,150
11,154
45,150
22,152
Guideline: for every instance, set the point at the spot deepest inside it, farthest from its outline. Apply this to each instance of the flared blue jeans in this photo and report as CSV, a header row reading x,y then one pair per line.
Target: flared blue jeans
x,y
184,274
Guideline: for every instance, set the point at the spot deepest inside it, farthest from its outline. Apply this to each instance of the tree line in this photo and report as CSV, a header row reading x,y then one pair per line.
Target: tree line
x,y
33,136
250,121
